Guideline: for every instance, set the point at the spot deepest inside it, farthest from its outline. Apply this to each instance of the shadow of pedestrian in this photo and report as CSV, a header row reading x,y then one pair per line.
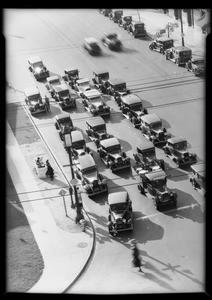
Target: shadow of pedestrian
x,y
162,283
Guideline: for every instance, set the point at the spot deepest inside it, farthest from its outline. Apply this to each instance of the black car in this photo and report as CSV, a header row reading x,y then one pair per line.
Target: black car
x,y
71,76
64,124
92,46
37,68
161,44
100,79
96,129
94,103
117,87
112,41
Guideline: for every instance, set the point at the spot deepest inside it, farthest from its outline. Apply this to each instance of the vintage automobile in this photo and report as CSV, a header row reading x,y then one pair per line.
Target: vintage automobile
x,y
97,129
198,178
64,125
145,158
111,154
153,185
197,66
117,87
115,15
161,44
87,173
180,55
132,108
120,212
62,95
111,41
71,76
82,85
51,82
136,28
176,149
124,21
34,101
92,46
105,11
100,79
37,67
151,127
94,103
78,146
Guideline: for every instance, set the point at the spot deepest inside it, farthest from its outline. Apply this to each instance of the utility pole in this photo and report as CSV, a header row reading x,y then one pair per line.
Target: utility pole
x,y
168,29
139,15
181,21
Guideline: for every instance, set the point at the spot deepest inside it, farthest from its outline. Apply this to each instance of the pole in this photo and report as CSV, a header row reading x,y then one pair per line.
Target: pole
x,y
181,21
168,29
139,15
192,12
72,174
65,206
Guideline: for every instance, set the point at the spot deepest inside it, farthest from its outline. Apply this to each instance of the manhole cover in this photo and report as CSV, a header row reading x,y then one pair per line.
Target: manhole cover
x,y
82,245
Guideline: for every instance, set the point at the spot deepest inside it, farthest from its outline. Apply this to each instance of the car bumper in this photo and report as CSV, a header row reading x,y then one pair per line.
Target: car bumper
x,y
116,168
40,76
124,227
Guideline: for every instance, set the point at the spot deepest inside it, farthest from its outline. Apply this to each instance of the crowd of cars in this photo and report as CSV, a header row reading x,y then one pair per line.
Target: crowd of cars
x,y
151,170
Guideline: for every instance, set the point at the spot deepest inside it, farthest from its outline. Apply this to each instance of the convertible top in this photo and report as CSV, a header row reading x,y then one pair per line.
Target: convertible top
x,y
63,116
86,161
146,145
92,93
117,197
31,91
156,175
72,69
76,136
199,168
164,39
61,87
34,59
53,78
182,48
83,80
176,139
100,71
150,118
116,81
95,121
131,99
109,142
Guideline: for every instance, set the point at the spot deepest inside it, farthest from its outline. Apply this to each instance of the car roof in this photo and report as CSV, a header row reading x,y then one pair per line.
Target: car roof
x,y
95,121
76,135
92,93
115,81
109,142
176,139
86,161
34,59
117,197
137,22
82,80
181,48
199,168
164,39
150,118
61,87
131,99
155,175
100,71
53,78
63,116
91,40
145,145
31,91
71,69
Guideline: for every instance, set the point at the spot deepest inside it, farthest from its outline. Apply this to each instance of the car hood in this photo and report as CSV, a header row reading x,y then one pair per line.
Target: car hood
x,y
116,155
118,215
102,135
183,152
159,131
89,178
84,88
63,98
98,104
80,151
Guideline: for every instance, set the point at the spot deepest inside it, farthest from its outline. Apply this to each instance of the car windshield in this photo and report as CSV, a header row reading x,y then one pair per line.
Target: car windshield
x,y
127,19
120,87
167,44
78,144
95,99
104,76
112,36
118,207
54,82
35,97
73,73
185,53
100,127
156,125
198,62
85,83
64,93
114,148
65,121
159,184
38,64
90,170
180,145
148,152
136,106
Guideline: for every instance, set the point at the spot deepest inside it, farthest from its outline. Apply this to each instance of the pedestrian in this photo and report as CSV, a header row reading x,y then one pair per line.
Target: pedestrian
x,y
47,103
136,259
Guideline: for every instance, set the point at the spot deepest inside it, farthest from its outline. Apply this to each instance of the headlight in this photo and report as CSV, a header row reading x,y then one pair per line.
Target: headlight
x,y
124,220
104,181
129,221
157,135
99,182
87,187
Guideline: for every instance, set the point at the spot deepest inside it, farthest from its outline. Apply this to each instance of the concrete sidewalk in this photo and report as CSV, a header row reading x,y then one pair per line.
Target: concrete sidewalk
x,y
65,252
155,19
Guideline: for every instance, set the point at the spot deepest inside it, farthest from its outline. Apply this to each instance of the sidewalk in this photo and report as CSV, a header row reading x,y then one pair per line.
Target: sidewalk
x,y
155,19
65,251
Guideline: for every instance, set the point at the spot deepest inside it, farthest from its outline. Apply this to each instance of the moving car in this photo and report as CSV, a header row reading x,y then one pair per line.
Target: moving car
x,y
115,15
87,173
51,82
112,41
105,11
124,21
120,212
132,108
198,178
64,125
71,76
151,127
34,101
180,55
93,102
176,149
82,85
37,67
78,146
117,87
153,185
97,129
145,158
92,46
136,28
62,95
111,154
161,44
197,66
100,79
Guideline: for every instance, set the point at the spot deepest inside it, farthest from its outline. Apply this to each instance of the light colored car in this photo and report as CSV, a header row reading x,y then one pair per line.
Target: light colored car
x,y
94,103
34,101
37,67
82,85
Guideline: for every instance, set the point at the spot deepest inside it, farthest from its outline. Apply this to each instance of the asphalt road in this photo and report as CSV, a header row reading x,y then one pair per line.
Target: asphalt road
x,y
171,242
